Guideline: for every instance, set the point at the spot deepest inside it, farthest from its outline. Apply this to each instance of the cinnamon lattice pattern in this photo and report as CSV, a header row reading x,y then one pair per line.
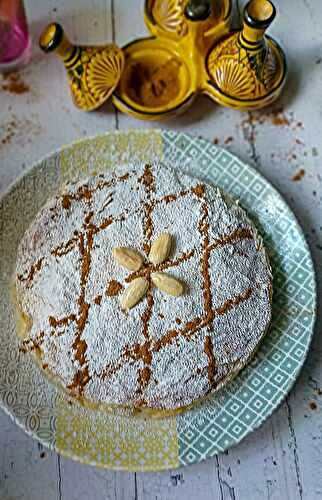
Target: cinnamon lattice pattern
x,y
84,242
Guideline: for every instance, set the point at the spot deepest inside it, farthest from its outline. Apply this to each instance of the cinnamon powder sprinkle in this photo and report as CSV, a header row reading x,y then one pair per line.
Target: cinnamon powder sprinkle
x,y
146,316
65,248
32,344
241,233
85,193
61,322
142,351
230,303
80,348
66,201
165,340
113,288
33,270
169,198
299,175
107,222
82,319
9,133
148,224
208,349
98,300
147,178
279,119
144,376
145,352
14,84
88,218
192,327
204,230
81,378
198,190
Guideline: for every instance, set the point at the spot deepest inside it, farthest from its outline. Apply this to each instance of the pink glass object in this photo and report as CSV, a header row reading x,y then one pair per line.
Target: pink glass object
x,y
14,36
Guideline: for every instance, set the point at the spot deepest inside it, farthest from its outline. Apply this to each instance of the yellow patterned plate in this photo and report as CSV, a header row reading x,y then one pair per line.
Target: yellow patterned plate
x,y
120,441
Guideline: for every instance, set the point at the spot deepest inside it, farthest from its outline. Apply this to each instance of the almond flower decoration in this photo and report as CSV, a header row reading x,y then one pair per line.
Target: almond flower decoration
x,y
133,261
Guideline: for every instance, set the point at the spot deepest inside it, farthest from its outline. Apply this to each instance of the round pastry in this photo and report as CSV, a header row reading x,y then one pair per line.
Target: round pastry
x,y
143,288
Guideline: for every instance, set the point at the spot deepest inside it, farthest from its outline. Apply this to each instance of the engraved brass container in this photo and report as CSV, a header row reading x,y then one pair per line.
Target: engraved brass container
x,y
191,51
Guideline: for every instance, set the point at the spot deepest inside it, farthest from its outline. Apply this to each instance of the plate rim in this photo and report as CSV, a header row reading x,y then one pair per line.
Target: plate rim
x,y
313,273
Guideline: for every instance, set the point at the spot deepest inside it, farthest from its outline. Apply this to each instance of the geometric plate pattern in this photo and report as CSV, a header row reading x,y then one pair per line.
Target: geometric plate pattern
x,y
119,441
258,390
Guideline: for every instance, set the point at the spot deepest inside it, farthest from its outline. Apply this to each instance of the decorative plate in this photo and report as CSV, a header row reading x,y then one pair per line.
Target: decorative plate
x,y
119,441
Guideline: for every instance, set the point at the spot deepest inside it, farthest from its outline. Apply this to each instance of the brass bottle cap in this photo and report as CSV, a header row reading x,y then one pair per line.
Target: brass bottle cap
x,y
51,37
197,10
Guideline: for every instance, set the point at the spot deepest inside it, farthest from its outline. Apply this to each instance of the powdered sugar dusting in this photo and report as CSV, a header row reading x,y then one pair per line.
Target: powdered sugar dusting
x,y
65,266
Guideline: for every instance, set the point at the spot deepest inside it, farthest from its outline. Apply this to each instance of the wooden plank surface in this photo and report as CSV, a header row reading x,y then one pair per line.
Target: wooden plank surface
x,y
283,459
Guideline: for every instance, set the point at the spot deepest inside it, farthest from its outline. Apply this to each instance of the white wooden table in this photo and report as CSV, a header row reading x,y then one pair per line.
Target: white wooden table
x,y
283,459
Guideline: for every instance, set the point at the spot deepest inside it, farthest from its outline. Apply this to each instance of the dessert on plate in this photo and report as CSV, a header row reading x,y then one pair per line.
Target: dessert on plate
x,y
142,288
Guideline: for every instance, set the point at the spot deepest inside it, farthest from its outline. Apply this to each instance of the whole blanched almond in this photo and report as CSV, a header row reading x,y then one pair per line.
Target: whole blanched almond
x,y
134,293
167,284
160,249
128,257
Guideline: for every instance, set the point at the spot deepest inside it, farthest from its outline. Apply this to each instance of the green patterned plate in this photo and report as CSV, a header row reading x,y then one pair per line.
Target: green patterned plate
x,y
119,441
